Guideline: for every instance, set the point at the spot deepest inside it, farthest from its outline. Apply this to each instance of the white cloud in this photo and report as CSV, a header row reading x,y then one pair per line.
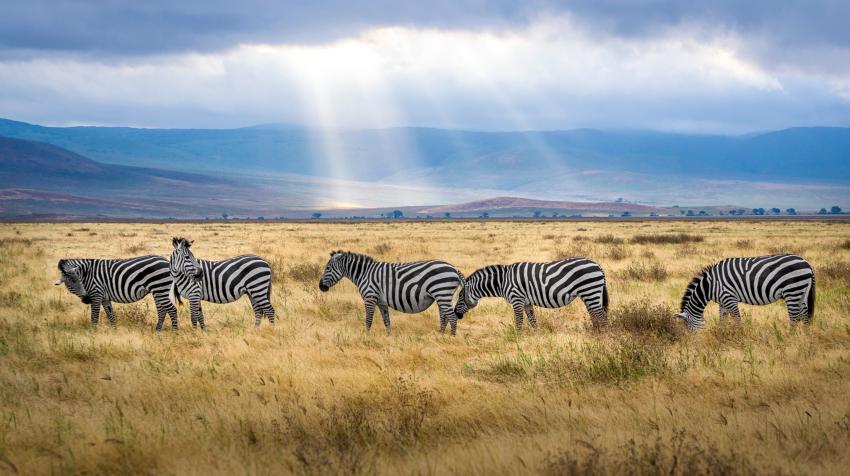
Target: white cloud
x,y
552,74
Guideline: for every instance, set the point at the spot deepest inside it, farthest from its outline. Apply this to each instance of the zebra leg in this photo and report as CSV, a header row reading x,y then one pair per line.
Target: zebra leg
x,y
197,313
443,321
269,312
447,315
385,315
798,311
95,312
519,307
107,306
529,311
370,313
161,310
172,311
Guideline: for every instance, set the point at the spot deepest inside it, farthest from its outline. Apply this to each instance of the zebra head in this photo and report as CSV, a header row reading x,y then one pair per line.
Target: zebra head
x,y
72,277
183,261
470,292
334,271
695,299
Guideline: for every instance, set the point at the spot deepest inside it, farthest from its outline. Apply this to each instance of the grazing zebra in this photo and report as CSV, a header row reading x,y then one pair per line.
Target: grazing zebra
x,y
100,282
551,285
758,280
405,287
220,281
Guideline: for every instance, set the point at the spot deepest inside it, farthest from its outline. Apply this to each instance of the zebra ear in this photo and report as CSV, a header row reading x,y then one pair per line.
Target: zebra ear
x,y
681,315
175,241
59,281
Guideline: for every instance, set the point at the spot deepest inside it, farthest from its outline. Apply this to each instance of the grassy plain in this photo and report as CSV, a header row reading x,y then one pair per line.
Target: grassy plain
x,y
315,394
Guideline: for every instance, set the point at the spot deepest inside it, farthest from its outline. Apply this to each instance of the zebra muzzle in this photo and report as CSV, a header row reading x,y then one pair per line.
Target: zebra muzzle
x,y
323,287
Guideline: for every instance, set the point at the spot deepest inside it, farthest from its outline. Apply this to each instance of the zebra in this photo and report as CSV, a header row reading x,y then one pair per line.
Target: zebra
x,y
406,287
550,285
100,282
756,280
219,282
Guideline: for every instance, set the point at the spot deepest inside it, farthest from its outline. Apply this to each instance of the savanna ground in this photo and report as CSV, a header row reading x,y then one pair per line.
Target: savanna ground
x,y
316,394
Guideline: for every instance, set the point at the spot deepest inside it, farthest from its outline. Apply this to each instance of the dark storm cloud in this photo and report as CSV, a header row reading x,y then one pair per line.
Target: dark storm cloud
x,y
163,26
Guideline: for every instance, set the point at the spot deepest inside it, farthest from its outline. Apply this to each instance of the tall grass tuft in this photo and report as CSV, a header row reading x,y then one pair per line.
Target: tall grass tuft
x,y
654,239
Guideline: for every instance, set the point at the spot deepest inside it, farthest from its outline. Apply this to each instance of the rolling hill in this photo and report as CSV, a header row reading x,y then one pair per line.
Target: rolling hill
x,y
815,153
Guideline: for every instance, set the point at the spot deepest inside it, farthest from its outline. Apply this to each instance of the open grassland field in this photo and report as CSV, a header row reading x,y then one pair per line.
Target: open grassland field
x,y
316,394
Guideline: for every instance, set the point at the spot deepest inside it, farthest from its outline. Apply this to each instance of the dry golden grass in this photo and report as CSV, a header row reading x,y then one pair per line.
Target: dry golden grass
x,y
316,395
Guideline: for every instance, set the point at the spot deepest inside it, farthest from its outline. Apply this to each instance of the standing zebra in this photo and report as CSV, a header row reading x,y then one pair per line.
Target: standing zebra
x,y
99,282
405,287
551,285
758,280
220,281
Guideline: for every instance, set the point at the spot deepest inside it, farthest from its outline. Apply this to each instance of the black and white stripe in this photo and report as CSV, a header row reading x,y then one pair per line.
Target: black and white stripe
x,y
220,282
100,282
405,287
551,285
758,280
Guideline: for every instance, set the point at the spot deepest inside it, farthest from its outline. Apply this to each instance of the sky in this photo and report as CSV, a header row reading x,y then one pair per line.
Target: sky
x,y
698,66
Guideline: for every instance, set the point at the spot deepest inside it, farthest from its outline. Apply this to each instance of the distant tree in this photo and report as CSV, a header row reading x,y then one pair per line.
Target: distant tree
x,y
397,214
225,216
382,215
537,213
317,215
447,215
775,211
261,218
626,214
822,211
758,211
791,211
690,213
619,200
681,212
653,214
485,215
835,210
428,217
703,213
721,213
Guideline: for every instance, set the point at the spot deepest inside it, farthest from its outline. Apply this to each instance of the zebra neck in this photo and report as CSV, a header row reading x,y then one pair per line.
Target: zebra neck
x,y
494,284
357,272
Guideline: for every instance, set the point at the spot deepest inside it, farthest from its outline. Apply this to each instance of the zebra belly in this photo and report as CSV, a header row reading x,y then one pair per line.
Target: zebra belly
x,y
559,301
136,294
414,307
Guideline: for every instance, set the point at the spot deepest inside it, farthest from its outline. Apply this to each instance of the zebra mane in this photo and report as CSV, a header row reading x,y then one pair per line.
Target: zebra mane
x,y
689,291
352,254
483,270
64,265
177,240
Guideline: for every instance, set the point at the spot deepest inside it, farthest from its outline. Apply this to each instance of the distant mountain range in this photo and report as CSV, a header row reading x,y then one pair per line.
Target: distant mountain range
x,y
272,170
819,153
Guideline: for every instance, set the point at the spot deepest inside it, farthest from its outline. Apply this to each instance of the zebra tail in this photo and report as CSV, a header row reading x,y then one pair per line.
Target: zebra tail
x,y
810,301
605,297
174,295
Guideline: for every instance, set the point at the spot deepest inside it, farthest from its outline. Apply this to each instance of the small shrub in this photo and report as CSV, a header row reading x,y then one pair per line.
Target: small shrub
x,y
836,271
608,239
617,253
679,238
305,273
134,248
648,271
642,319
743,244
381,249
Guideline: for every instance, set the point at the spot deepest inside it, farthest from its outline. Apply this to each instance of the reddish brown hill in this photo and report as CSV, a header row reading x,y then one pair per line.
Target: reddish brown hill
x,y
501,203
